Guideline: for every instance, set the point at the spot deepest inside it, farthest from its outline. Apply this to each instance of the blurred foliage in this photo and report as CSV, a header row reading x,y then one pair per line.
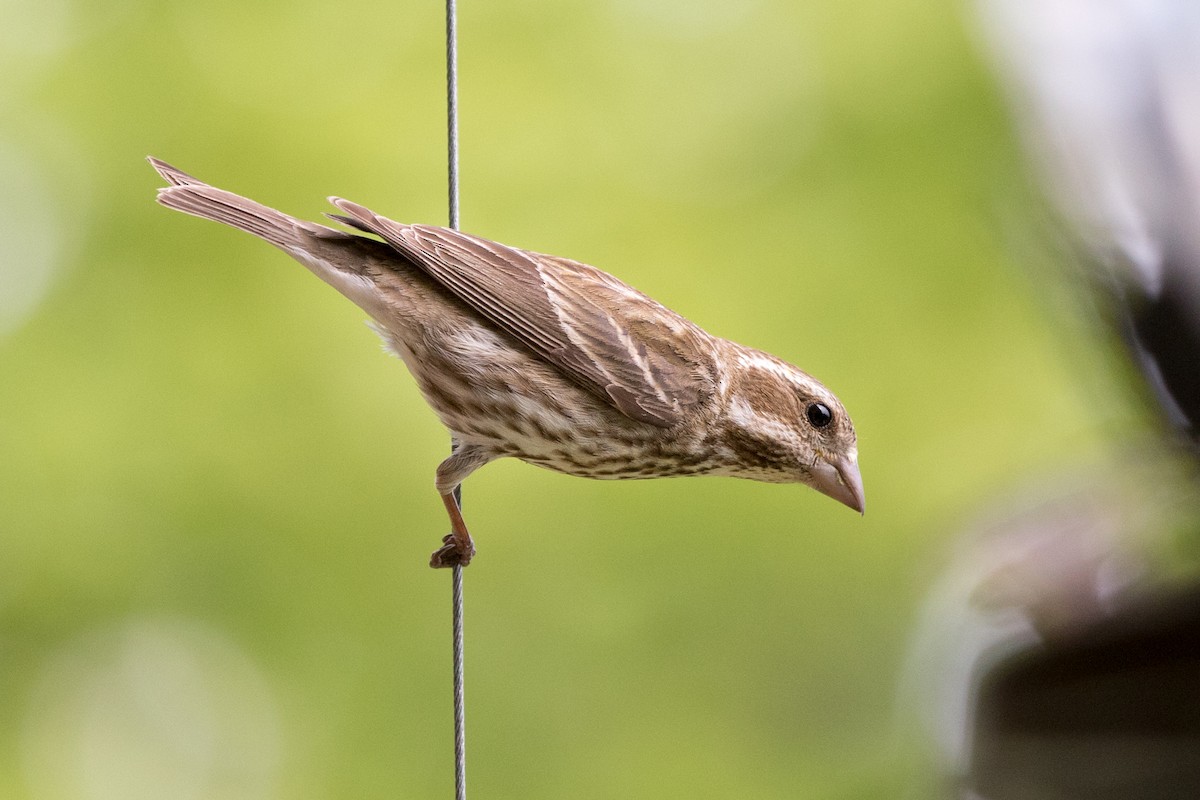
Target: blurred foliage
x,y
215,484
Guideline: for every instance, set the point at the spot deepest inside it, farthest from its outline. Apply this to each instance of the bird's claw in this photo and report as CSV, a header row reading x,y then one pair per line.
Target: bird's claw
x,y
452,553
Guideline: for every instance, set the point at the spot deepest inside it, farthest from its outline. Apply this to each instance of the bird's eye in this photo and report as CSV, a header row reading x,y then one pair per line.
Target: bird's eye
x,y
819,415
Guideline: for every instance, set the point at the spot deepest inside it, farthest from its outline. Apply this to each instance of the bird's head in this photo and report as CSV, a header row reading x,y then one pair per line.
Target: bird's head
x,y
782,425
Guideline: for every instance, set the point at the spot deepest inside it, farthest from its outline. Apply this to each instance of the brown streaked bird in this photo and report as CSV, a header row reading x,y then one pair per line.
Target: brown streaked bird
x,y
554,362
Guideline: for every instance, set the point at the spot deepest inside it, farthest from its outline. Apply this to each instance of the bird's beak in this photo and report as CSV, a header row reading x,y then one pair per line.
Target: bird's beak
x,y
840,479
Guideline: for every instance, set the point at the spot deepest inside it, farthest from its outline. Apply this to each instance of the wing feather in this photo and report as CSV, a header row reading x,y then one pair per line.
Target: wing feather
x,y
647,361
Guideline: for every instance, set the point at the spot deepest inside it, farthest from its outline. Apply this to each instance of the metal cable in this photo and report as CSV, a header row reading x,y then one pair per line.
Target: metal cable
x,y
452,105
460,721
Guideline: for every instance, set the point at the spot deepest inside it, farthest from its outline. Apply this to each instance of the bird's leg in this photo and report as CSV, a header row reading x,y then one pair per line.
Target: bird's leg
x,y
457,548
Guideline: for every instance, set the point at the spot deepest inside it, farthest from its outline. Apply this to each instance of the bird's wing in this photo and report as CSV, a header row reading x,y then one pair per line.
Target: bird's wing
x,y
647,361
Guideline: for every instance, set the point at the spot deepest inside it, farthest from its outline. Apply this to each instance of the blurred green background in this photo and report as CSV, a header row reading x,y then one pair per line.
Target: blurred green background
x,y
217,491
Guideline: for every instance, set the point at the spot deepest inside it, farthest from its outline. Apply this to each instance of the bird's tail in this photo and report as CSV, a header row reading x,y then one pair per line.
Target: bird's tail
x,y
193,196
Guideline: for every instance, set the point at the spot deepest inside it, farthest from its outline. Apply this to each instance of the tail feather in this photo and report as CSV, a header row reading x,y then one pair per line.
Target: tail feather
x,y
193,196
176,177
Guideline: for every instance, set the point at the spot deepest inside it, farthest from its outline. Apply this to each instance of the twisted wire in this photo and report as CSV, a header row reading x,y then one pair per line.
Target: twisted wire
x,y
460,720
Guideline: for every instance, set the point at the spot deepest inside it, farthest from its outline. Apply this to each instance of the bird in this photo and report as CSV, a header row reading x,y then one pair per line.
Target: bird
x,y
554,362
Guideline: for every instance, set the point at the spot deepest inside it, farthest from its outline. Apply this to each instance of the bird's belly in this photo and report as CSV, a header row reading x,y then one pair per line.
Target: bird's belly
x,y
633,468
592,454
520,407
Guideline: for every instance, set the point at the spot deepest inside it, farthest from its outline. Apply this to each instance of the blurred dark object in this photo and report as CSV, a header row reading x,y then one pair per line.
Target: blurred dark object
x,y
1162,330
1060,648
1107,95
1110,712
1080,677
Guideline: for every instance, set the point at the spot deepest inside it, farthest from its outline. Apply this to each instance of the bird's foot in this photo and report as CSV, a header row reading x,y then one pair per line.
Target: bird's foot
x,y
454,552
